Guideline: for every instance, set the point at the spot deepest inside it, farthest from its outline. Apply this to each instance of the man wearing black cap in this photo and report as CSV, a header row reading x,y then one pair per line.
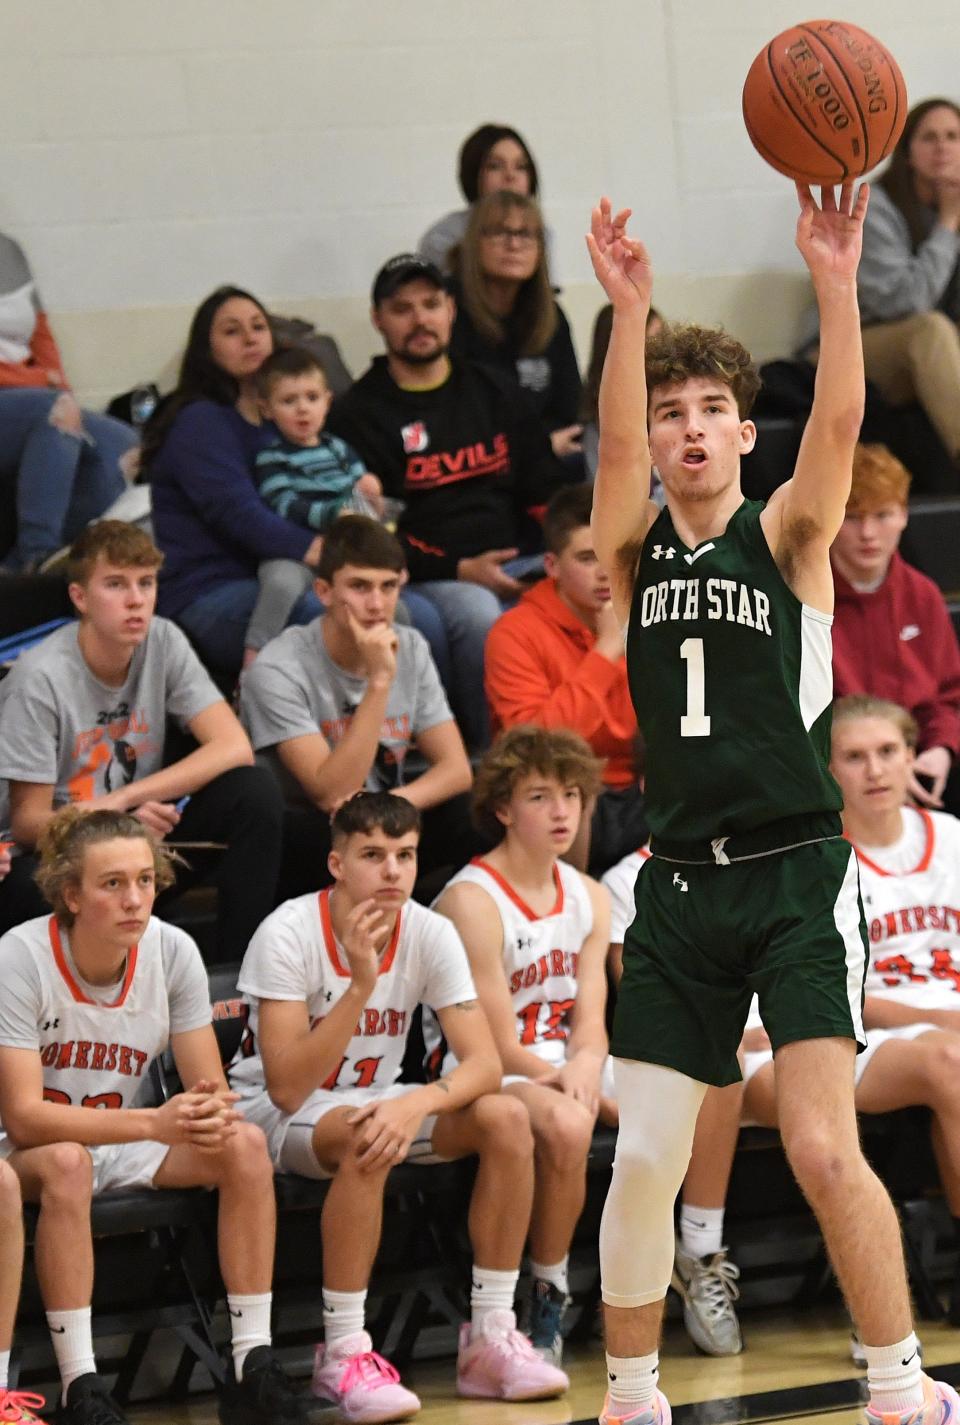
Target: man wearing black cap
x,y
461,447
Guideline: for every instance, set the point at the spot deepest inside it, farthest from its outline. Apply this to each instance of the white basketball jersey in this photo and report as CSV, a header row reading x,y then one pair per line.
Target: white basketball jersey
x,y
295,955
95,1054
621,882
912,910
540,953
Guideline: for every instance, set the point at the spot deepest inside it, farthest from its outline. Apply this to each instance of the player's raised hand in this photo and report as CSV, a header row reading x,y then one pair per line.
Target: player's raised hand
x,y
622,263
363,935
830,234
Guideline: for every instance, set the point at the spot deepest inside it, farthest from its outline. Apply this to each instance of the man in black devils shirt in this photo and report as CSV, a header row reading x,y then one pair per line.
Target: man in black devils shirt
x,y
459,444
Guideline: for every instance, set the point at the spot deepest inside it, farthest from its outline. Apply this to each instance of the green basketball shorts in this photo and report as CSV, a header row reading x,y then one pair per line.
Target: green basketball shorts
x,y
787,926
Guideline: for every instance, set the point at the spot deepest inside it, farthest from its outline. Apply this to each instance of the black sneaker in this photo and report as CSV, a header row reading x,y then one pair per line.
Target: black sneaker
x,y
264,1395
89,1402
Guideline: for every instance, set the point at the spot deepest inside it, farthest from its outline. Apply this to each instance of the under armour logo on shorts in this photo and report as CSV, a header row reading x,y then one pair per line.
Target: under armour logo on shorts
x,y
679,881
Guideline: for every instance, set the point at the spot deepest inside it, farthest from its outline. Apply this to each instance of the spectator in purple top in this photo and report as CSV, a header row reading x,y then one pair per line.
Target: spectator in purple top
x,y
199,453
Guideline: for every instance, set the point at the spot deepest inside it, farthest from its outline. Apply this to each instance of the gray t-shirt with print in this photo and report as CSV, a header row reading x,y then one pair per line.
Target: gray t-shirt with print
x,y
295,689
60,725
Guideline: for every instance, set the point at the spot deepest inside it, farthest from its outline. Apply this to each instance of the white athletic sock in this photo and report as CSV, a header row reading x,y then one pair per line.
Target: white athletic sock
x,y
343,1315
632,1381
4,1369
72,1338
249,1325
701,1230
893,1375
555,1275
491,1291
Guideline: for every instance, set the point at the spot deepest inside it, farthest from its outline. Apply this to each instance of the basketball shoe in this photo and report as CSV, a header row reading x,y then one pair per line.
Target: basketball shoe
x,y
547,1305
17,1405
708,1288
497,1362
658,1413
263,1392
364,1386
941,1406
89,1402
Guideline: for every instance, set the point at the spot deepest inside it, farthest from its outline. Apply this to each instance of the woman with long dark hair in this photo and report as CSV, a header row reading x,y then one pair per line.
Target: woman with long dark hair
x,y
492,158
199,454
909,278
507,315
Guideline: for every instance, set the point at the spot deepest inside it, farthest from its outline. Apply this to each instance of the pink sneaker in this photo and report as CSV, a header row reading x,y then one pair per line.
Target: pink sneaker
x,y
497,1362
657,1414
364,1386
941,1406
20,1405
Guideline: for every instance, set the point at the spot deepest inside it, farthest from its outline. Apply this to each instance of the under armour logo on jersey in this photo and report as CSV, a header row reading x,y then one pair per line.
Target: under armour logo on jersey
x,y
524,942
328,995
909,630
50,1024
679,881
660,553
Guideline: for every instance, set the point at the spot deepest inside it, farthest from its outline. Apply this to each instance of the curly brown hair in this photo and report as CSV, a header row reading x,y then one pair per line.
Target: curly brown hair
x,y
524,751
681,350
62,846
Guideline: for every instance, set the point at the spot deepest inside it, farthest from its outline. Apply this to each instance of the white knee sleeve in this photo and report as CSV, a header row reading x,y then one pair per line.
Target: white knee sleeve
x,y
658,1114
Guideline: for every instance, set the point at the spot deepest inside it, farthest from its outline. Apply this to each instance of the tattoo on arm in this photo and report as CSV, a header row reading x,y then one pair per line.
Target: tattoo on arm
x,y
466,1004
440,1084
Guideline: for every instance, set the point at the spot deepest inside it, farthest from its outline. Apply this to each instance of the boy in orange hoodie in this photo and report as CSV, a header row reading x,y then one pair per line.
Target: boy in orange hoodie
x,y
556,660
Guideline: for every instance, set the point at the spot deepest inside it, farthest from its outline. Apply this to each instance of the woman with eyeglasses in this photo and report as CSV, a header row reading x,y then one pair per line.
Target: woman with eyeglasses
x,y
507,315
492,158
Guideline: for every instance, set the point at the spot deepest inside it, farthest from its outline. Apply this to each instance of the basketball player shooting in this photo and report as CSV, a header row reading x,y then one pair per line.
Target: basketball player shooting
x,y
750,886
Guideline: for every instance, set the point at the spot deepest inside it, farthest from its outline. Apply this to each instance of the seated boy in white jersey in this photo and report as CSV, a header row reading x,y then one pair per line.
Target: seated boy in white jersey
x,y
353,700
333,981
83,719
89,997
537,931
703,1274
909,860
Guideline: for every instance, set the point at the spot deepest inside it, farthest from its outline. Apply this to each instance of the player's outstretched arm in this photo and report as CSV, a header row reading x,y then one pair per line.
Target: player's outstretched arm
x,y
621,507
830,237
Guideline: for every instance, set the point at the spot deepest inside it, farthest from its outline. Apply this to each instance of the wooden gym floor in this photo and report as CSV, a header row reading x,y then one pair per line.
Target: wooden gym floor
x,y
796,1367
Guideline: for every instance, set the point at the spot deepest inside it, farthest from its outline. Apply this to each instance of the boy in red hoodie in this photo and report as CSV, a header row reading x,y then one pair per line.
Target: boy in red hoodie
x,y
892,635
556,660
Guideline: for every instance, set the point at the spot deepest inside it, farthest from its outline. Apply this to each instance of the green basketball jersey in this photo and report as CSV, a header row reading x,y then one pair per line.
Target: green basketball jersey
x,y
732,682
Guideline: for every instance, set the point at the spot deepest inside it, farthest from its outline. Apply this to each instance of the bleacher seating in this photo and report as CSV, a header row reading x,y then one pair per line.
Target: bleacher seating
x,y
157,1266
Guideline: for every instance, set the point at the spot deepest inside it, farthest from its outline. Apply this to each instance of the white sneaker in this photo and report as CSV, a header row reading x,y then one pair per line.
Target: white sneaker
x,y
708,1289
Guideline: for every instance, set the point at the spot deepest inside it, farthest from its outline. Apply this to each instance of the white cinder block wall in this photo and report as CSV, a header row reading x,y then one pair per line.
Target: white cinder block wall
x,y
151,149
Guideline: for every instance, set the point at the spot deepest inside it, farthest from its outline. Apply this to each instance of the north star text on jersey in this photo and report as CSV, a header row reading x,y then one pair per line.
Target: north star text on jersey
x,y
89,1054
679,600
545,967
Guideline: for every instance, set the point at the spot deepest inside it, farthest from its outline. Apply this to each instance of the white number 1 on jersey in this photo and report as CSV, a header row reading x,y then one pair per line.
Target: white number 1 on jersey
x,y
694,722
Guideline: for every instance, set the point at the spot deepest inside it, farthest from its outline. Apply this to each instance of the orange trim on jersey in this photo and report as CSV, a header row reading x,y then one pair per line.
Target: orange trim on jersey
x,y
644,852
330,939
518,901
925,859
56,944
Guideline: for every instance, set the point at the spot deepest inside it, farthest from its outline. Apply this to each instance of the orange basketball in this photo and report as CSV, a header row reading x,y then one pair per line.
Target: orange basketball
x,y
824,102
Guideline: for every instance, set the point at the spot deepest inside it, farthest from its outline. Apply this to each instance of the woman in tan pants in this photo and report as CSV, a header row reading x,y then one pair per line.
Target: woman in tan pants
x,y
909,278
